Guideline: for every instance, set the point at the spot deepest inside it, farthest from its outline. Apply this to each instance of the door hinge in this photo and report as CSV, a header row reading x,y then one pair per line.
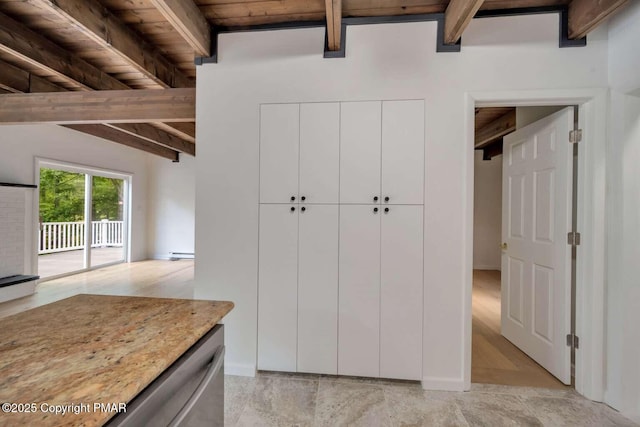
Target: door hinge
x,y
573,238
573,341
575,136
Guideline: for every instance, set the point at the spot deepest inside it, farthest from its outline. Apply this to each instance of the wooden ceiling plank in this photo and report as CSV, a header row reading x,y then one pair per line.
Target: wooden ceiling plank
x,y
456,18
189,22
186,131
585,15
115,135
119,106
496,129
100,25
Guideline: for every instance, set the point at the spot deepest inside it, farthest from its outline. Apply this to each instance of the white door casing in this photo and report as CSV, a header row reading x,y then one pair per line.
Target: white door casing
x,y
536,265
359,292
403,152
360,151
277,287
279,151
401,292
318,289
319,152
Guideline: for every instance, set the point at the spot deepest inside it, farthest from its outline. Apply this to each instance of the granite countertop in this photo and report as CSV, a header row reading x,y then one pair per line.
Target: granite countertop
x,y
94,348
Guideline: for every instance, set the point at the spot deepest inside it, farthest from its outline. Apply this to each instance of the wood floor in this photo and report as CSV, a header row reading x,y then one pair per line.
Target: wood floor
x,y
169,279
494,359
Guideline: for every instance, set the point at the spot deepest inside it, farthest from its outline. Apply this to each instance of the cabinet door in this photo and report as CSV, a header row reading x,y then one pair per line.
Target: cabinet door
x,y
319,152
360,133
403,152
277,288
318,289
359,293
279,144
401,293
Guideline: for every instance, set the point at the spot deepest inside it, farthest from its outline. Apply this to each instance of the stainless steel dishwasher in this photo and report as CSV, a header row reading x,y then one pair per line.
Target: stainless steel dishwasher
x,y
190,393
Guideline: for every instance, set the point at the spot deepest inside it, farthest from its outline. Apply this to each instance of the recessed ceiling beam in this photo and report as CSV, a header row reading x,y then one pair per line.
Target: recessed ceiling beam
x,y
496,129
117,106
185,17
96,22
334,23
456,18
585,15
109,133
156,135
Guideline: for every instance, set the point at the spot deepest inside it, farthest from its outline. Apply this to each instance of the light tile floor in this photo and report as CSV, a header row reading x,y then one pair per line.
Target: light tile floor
x,y
277,399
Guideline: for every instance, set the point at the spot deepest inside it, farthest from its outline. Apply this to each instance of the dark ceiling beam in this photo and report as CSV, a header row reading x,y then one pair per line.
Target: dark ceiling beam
x,y
101,106
17,80
585,15
157,136
497,129
457,17
28,46
334,23
96,22
185,17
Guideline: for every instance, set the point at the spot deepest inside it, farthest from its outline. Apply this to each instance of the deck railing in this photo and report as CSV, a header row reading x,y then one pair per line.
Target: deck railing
x,y
69,236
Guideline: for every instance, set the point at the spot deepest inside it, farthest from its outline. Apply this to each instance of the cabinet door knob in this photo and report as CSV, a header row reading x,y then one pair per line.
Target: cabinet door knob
x,y
386,199
386,210
303,209
375,198
303,198
293,198
293,209
375,210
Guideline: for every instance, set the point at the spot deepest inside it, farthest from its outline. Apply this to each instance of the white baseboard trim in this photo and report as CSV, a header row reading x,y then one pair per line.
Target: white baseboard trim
x,y
487,267
239,369
443,384
20,290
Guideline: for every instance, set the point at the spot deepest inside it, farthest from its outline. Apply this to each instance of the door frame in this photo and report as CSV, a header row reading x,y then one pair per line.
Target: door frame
x,y
590,264
92,171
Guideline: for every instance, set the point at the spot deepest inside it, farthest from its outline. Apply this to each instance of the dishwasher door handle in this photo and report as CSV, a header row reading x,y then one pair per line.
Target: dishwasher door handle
x,y
214,368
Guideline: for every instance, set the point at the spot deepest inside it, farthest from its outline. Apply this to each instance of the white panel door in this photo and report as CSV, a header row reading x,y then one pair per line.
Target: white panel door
x,y
360,151
403,152
359,293
319,152
401,292
279,145
277,287
536,217
318,289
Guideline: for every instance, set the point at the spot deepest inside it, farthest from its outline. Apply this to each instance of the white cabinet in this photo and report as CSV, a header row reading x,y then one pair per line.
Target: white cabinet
x,y
380,297
403,152
360,139
279,145
319,152
299,153
318,289
298,288
382,152
401,296
340,268
359,295
277,290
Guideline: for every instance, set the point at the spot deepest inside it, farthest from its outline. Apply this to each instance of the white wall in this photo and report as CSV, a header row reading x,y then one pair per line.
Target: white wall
x,y
22,144
623,203
172,194
527,115
393,61
487,213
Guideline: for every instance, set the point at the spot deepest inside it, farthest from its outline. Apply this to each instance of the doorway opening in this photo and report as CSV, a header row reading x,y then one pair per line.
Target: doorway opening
x,y
515,327
82,218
